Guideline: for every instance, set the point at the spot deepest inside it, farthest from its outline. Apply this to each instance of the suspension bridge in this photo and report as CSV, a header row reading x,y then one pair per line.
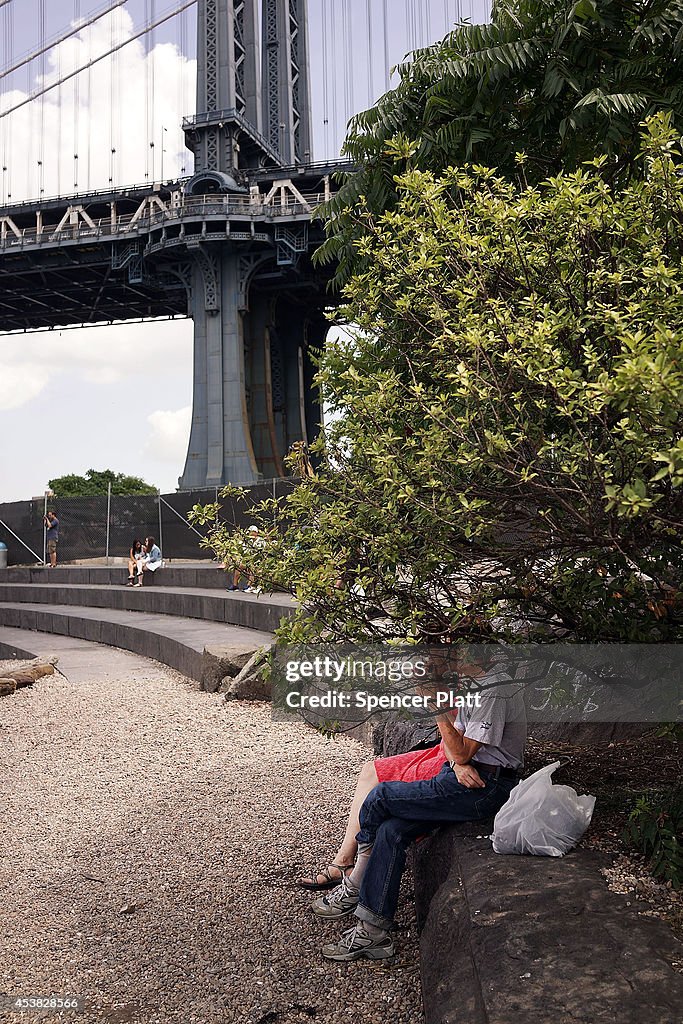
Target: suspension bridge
x,y
227,238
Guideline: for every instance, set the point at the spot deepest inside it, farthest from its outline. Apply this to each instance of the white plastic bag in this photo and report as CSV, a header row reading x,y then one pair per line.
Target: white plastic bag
x,y
541,818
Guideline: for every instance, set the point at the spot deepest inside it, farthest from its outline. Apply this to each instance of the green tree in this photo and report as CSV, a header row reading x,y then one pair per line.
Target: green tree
x,y
561,81
506,451
96,482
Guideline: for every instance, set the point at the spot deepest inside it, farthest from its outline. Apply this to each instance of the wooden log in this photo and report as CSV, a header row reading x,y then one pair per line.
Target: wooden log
x,y
7,686
27,676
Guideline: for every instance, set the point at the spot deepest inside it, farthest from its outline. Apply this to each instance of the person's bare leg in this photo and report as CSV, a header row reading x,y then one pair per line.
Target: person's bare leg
x,y
53,559
367,780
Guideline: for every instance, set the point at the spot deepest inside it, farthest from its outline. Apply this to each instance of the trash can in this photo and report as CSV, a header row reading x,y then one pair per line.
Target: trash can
x,y
3,555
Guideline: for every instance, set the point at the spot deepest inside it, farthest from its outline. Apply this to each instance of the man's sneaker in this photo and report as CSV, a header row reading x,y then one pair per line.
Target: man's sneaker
x,y
338,903
356,944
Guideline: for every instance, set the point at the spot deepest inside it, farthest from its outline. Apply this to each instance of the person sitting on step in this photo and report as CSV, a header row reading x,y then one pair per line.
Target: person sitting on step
x,y
135,556
151,560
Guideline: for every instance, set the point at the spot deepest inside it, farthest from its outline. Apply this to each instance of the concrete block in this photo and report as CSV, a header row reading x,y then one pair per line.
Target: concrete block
x,y
535,939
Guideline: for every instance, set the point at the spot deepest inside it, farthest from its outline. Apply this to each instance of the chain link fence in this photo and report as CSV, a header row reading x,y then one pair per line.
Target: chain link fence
x,y
104,527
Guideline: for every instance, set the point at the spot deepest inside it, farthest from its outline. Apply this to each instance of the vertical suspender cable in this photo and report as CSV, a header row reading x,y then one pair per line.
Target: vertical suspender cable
x,y
3,135
8,44
333,67
76,102
88,102
30,166
184,49
348,62
181,76
369,55
387,69
119,59
152,97
41,137
147,93
326,95
112,147
60,96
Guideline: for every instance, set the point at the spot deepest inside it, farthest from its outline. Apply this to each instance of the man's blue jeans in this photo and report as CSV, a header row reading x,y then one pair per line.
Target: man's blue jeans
x,y
396,813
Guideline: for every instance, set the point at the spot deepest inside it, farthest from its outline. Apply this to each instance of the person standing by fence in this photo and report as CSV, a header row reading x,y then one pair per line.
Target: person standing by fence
x,y
52,536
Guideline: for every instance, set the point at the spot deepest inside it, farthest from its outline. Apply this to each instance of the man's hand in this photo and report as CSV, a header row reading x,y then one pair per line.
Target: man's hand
x,y
468,776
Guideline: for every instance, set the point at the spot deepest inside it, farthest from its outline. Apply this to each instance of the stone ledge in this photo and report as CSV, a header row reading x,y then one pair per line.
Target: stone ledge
x,y
262,613
177,642
535,939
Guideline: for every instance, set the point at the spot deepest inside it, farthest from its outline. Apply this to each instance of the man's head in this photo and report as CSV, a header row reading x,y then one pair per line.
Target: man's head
x,y
149,542
51,515
253,531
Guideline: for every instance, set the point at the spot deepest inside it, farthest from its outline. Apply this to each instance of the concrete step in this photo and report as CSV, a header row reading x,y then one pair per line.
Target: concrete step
x,y
80,661
197,649
19,643
176,574
262,612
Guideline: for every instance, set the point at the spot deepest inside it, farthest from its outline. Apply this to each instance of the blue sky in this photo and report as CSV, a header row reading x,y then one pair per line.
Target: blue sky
x,y
75,399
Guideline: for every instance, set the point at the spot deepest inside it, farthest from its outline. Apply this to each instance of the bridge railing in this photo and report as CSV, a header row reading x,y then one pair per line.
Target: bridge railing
x,y
189,208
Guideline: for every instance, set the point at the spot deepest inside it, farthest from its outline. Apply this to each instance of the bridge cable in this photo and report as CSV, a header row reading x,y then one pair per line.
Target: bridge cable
x,y
43,70
387,68
27,57
60,125
333,64
183,79
152,97
84,67
181,76
88,86
76,104
347,62
369,52
147,93
8,43
325,93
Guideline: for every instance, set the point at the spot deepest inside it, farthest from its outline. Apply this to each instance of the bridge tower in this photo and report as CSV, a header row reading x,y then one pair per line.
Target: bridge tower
x,y
256,308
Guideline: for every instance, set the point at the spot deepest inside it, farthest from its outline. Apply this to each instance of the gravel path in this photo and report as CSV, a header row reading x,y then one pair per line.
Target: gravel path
x,y
153,835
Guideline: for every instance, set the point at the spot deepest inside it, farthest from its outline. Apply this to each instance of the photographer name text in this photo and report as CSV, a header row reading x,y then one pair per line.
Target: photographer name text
x,y
361,699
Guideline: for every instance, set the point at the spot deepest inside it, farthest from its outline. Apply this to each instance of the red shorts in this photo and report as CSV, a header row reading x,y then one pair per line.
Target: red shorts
x,y
414,766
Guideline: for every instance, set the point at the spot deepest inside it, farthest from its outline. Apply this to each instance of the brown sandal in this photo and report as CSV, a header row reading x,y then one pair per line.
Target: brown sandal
x,y
330,880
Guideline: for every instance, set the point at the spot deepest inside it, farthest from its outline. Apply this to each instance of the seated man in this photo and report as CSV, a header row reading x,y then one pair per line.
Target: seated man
x,y
485,751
